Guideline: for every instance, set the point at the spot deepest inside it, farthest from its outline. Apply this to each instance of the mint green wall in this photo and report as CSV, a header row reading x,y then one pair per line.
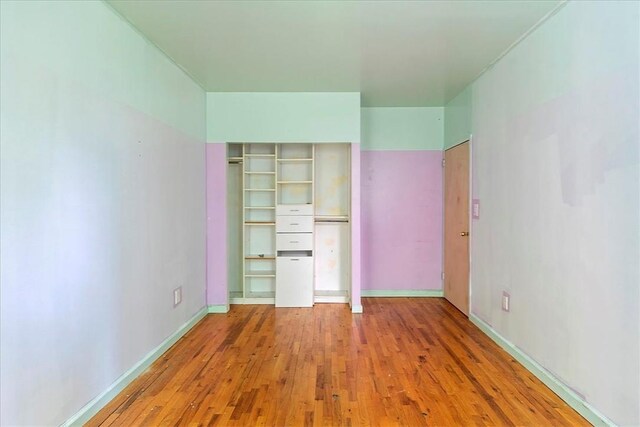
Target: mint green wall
x,y
113,56
283,117
391,128
457,119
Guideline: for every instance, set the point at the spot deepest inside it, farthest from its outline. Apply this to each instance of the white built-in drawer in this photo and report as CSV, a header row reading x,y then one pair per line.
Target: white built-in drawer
x,y
294,282
294,224
294,210
294,242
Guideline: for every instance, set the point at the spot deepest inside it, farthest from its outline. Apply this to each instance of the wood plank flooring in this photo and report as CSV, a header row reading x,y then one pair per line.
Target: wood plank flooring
x,y
406,362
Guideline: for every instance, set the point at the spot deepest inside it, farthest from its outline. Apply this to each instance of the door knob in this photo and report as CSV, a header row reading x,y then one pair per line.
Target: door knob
x,y
464,233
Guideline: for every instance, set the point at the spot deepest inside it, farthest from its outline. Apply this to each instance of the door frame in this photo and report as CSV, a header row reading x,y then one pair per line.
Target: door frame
x,y
470,214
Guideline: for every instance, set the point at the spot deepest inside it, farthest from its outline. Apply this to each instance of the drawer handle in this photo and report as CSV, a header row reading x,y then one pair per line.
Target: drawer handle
x,y
295,210
294,223
294,259
294,241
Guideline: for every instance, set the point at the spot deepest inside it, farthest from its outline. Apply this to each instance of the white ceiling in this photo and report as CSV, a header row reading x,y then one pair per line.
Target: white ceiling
x,y
397,53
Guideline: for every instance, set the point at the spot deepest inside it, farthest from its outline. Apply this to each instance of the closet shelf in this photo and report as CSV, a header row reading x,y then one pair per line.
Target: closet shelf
x,y
331,293
260,155
259,207
254,294
260,257
295,182
333,296
235,294
261,273
259,223
336,218
294,160
259,189
259,173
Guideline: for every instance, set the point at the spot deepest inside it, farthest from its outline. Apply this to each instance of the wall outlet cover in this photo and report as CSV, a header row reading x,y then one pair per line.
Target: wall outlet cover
x,y
177,296
506,301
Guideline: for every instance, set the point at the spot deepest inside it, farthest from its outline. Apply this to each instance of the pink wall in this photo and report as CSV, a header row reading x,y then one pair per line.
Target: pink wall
x,y
216,163
356,232
401,220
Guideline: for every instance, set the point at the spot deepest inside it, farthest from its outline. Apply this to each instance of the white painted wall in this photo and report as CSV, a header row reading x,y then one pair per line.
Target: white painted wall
x,y
103,207
556,169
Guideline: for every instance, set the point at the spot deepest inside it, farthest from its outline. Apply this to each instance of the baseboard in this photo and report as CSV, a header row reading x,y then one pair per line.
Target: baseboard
x,y
95,405
411,293
356,309
564,392
218,308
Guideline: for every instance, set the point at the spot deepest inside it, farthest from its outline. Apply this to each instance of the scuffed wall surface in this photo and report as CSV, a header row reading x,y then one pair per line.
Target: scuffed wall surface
x,y
556,169
103,210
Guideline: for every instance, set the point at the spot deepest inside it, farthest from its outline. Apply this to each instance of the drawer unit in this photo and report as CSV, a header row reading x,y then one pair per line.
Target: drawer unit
x,y
294,242
294,224
294,281
294,260
294,210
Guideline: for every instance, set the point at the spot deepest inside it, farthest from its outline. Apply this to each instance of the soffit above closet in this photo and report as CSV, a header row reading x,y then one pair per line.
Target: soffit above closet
x,y
397,53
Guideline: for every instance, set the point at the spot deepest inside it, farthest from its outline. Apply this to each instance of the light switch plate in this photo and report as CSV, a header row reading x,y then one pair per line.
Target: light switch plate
x,y
475,209
506,301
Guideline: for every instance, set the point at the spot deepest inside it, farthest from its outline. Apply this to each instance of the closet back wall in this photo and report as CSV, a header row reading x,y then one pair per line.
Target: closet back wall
x,y
402,201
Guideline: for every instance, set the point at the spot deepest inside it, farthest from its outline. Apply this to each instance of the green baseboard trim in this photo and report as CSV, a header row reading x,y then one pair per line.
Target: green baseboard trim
x,y
411,293
558,387
218,308
356,309
99,402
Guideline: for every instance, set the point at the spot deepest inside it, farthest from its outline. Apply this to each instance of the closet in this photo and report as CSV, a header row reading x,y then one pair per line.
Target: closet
x,y
288,217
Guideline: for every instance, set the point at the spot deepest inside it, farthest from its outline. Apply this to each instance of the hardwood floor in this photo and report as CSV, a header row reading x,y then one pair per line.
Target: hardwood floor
x,y
403,362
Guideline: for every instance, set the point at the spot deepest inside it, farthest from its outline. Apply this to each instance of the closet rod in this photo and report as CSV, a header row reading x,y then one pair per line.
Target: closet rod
x,y
328,221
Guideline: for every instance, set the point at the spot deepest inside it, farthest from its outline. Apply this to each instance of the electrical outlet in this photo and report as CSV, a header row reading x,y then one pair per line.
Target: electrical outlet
x,y
177,296
506,301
